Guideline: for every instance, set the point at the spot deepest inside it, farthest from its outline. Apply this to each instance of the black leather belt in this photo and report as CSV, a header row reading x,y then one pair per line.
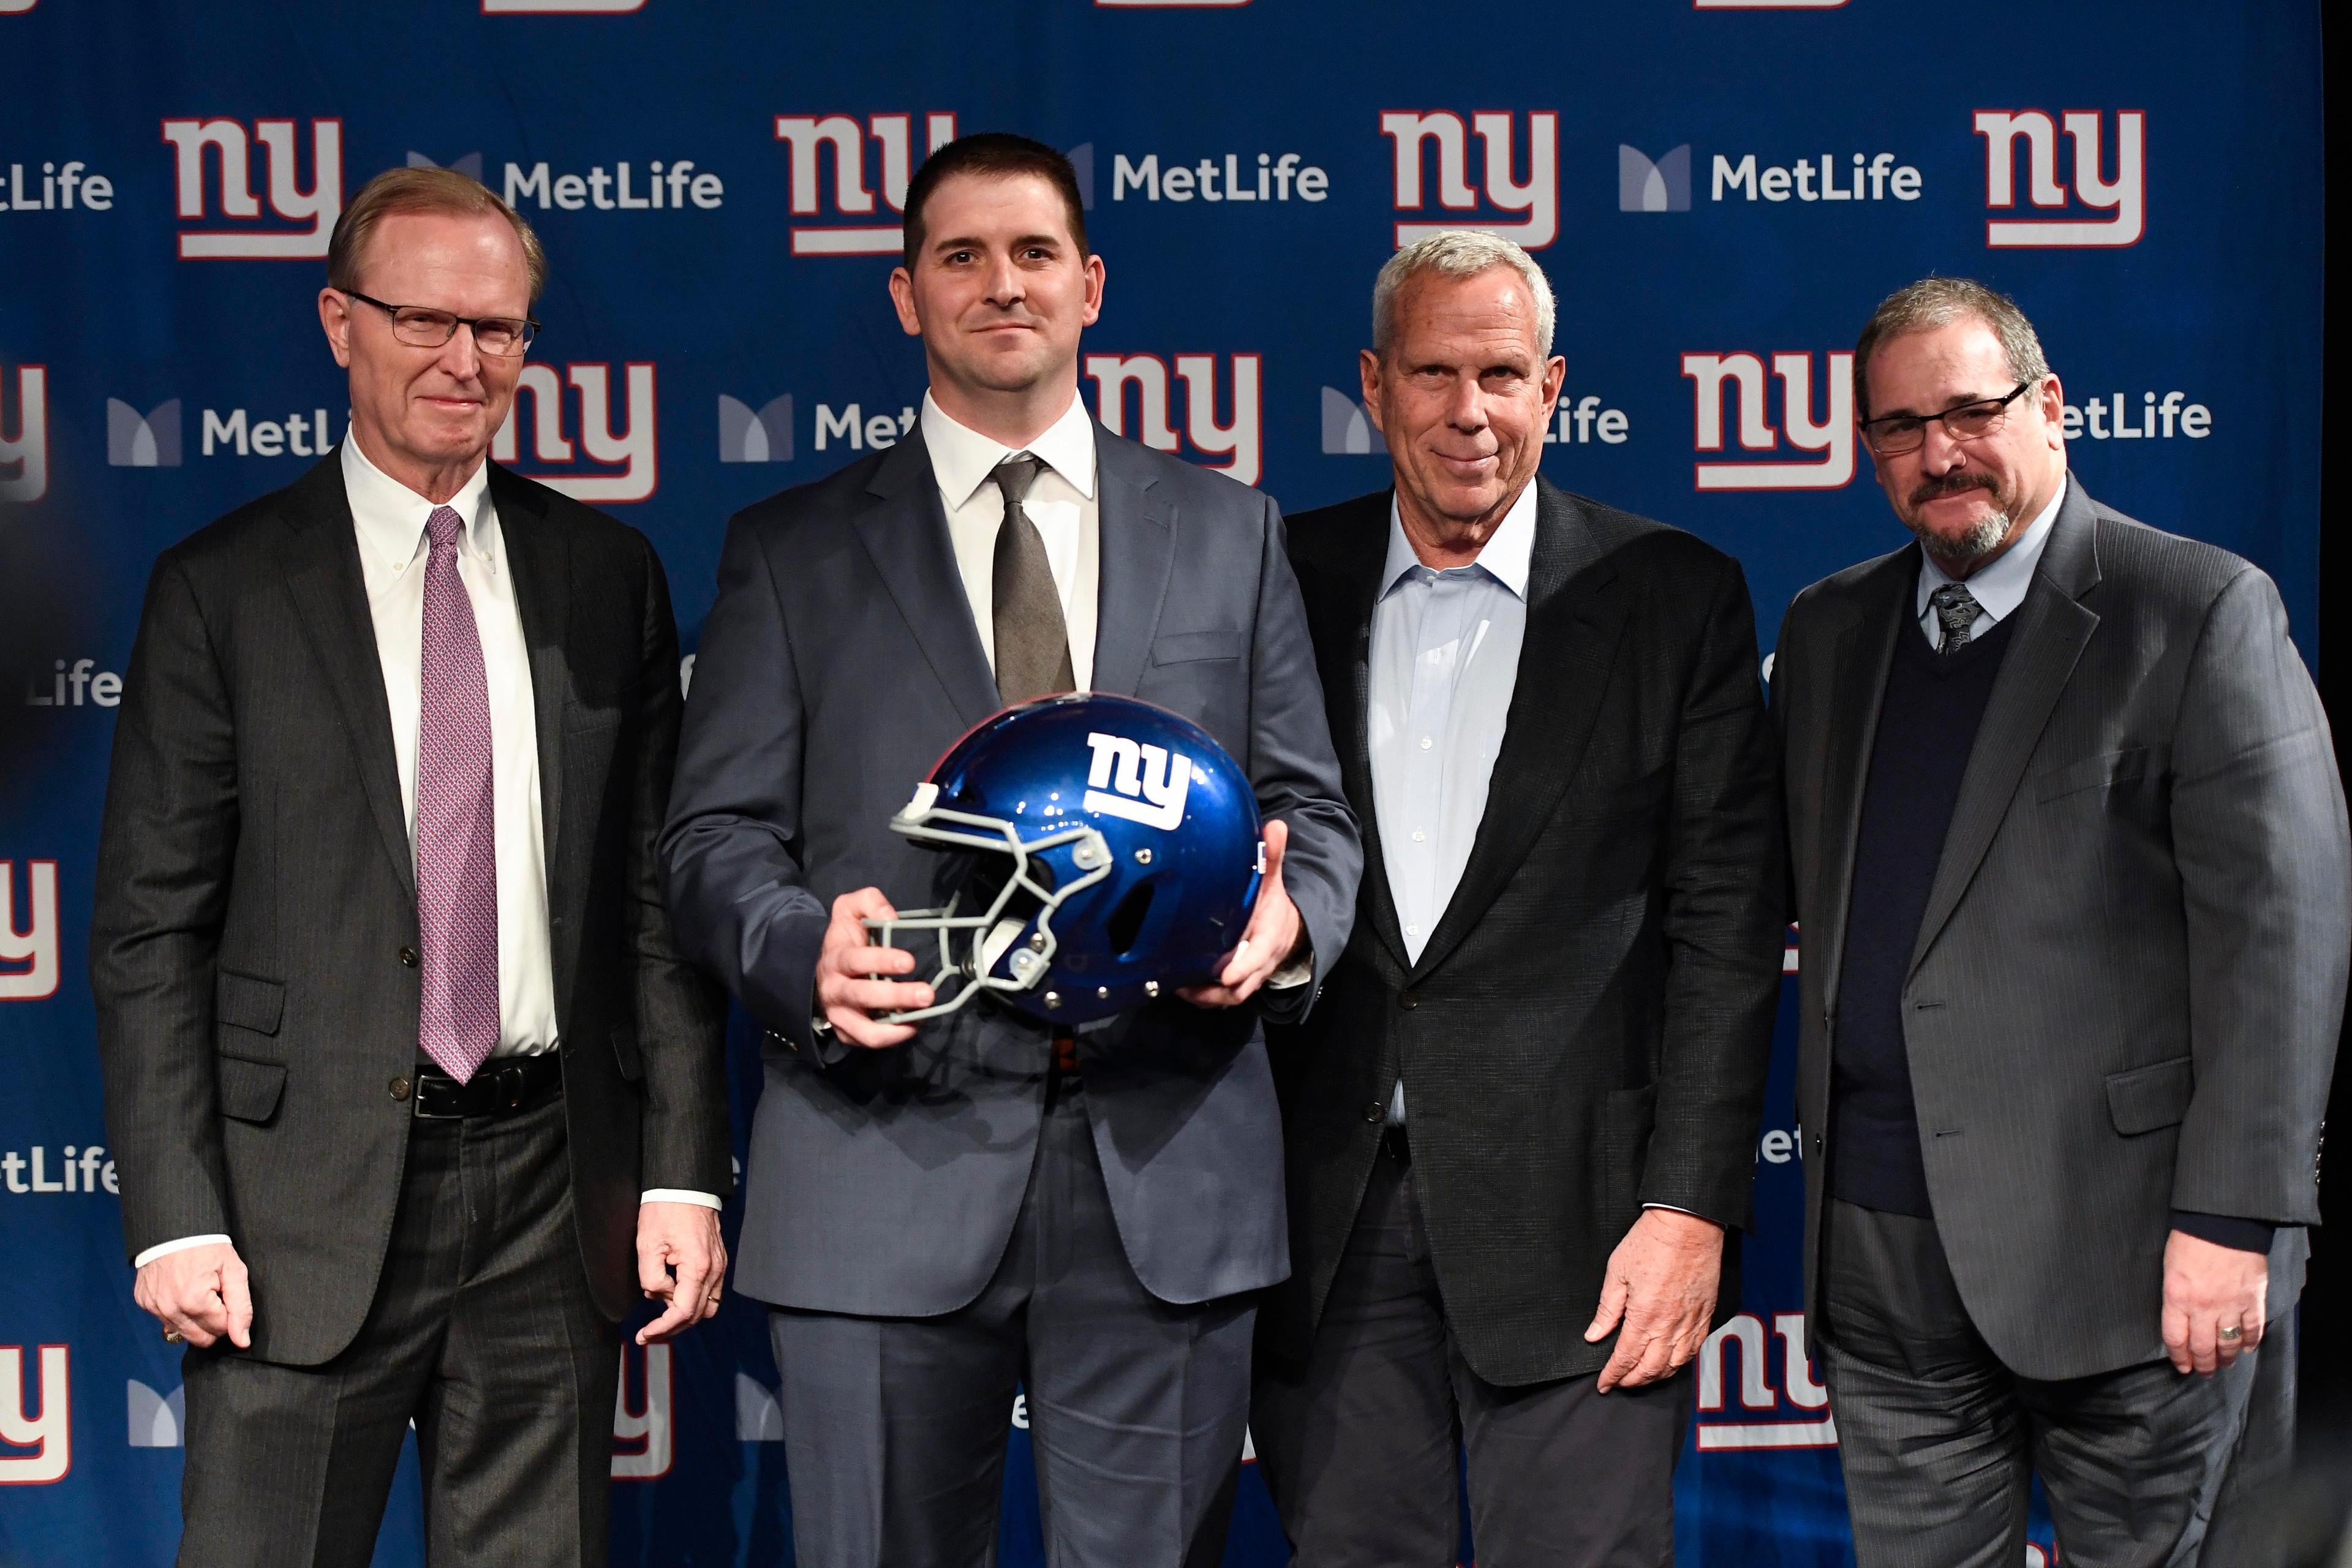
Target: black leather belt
x,y
501,1087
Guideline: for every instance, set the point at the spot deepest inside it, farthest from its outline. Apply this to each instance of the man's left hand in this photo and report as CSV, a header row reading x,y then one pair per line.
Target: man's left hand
x,y
2208,1288
1268,942
1661,1283
682,1263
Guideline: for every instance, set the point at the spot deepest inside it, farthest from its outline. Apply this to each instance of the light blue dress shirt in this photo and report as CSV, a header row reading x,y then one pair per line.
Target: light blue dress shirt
x,y
1444,661
1999,589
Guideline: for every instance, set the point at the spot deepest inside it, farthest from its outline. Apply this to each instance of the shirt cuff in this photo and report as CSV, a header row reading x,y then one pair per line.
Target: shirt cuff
x,y
164,1249
676,1196
2225,1230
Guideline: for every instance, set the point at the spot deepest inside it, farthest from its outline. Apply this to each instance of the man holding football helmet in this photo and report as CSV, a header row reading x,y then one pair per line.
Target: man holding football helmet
x,y
1025,1135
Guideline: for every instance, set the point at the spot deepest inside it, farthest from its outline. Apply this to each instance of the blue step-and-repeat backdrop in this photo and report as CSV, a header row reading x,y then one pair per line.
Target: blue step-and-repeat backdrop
x,y
1719,189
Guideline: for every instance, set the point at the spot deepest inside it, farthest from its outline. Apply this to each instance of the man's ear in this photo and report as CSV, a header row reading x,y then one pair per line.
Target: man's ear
x,y
335,319
1368,368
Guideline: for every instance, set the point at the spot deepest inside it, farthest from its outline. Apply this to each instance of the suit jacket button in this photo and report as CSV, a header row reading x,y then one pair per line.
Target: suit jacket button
x,y
1408,1000
1817,1143
1372,1112
408,957
397,1088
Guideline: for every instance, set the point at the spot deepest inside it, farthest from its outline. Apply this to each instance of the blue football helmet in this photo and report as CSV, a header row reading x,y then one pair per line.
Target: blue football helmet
x,y
1113,856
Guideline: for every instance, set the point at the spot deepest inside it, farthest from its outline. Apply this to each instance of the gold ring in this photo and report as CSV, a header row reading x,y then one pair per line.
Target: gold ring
x,y
2233,1333
173,1337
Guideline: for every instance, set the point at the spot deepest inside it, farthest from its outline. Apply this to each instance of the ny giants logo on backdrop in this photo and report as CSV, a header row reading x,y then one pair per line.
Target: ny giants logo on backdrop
x,y
604,464
644,1434
2123,200
28,932
1753,1413
1741,377
561,7
1534,201
232,156
1237,441
811,137
16,8
24,453
36,1449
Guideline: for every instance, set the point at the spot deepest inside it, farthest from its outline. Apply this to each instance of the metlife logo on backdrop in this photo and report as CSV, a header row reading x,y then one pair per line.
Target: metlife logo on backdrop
x,y
1663,185
59,186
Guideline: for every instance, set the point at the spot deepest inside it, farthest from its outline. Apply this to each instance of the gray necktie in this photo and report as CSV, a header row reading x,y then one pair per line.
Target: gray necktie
x,y
1032,645
1956,609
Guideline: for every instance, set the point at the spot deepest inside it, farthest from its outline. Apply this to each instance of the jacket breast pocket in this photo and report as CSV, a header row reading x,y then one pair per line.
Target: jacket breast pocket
x,y
2149,1098
1185,647
2102,771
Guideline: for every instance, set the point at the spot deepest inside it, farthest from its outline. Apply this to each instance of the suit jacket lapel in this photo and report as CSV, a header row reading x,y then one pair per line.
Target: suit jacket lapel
x,y
1356,579
1138,547
904,532
1860,660
2053,627
539,555
322,563
1574,625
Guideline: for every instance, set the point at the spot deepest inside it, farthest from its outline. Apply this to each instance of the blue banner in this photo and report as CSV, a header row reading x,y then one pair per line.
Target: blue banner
x,y
1720,190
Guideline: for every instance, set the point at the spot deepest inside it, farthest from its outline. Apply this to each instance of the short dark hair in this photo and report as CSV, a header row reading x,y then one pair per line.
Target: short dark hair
x,y
1934,302
993,154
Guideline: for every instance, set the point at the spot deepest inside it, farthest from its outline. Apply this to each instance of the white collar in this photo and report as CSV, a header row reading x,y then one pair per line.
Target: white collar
x,y
962,459
2000,587
1504,557
390,516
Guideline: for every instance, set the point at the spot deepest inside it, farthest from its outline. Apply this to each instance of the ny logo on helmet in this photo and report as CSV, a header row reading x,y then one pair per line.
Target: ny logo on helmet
x,y
1150,782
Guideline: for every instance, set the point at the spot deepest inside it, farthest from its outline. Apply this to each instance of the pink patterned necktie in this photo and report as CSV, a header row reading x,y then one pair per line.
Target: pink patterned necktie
x,y
456,840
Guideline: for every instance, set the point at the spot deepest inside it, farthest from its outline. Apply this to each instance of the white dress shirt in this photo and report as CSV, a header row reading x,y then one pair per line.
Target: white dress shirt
x,y
394,549
1445,662
1061,502
1999,589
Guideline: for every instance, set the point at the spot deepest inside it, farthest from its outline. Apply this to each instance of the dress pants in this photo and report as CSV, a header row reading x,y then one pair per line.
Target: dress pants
x,y
895,1427
482,1332
1361,1447
1938,1439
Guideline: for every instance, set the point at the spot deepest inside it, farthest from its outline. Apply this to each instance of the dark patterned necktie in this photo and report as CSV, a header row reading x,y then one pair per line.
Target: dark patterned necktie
x,y
1956,609
457,822
1032,644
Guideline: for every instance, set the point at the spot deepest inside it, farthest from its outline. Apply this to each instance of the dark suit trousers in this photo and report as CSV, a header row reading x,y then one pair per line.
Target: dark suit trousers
x,y
895,1427
482,1331
1938,1439
1361,1447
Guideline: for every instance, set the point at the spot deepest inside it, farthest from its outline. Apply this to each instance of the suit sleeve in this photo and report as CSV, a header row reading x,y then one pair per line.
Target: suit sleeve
x,y
2259,836
1296,772
166,845
731,856
1724,882
681,1018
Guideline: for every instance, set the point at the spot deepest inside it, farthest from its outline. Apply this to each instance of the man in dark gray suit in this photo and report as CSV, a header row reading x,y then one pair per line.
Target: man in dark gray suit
x,y
413,1099
943,1212
1521,1125
2071,868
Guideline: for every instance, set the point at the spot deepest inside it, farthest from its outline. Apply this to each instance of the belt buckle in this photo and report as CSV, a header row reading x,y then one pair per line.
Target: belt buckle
x,y
513,1087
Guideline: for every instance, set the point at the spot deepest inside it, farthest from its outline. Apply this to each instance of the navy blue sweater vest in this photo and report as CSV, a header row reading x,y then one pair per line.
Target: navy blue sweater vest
x,y
1927,728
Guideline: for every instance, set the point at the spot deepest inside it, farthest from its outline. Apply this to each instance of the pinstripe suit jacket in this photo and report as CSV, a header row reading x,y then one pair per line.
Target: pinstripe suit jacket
x,y
2127,989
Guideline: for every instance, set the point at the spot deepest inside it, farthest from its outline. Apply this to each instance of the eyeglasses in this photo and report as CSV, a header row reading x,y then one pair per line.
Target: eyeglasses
x,y
420,326
1900,433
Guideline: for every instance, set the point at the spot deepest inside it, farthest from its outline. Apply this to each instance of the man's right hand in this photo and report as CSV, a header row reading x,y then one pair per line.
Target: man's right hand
x,y
847,996
201,1291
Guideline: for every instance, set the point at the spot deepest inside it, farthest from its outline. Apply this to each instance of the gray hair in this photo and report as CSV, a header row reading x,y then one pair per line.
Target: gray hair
x,y
1939,302
1456,253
